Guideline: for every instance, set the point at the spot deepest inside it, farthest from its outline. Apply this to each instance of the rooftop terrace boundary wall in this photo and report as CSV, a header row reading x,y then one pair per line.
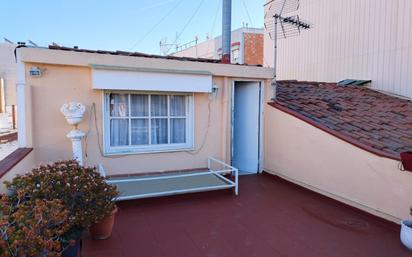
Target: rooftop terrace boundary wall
x,y
310,157
18,162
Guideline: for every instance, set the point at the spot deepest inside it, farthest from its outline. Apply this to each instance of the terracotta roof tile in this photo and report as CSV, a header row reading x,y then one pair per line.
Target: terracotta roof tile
x,y
369,119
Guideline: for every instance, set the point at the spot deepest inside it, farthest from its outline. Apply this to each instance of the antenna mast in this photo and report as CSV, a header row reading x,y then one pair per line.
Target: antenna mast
x,y
282,27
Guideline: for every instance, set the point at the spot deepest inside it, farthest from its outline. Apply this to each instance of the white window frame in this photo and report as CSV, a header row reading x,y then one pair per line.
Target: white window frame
x,y
155,148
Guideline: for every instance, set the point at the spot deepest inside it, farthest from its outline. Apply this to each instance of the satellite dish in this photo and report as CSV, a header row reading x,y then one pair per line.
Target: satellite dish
x,y
282,21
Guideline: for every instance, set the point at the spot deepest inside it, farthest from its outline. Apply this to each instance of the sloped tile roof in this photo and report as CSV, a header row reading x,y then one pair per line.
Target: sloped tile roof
x,y
374,121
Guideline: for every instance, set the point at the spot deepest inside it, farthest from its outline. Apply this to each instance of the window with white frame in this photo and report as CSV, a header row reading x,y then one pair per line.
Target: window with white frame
x,y
140,122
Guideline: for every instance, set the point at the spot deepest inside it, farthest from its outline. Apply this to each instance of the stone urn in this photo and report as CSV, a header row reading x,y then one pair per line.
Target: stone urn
x,y
73,112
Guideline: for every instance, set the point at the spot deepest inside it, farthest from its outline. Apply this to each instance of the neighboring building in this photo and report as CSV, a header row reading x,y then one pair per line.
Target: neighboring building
x,y
247,47
369,39
7,76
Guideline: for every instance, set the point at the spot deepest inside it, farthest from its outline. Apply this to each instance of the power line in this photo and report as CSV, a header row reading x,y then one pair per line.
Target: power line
x,y
247,12
188,22
156,25
215,18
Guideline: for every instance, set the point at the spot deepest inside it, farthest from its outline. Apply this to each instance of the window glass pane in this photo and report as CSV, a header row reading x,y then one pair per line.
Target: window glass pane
x,y
159,131
139,105
140,131
119,132
158,105
177,105
119,105
177,130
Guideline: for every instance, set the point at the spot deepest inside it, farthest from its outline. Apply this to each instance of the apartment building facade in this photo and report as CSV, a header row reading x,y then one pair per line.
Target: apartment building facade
x,y
247,47
368,40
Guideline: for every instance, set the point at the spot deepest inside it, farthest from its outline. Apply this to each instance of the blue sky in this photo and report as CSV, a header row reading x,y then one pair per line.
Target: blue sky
x,y
137,25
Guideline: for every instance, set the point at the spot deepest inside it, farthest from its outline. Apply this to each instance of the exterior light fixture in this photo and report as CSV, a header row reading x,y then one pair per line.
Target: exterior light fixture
x,y
35,72
215,90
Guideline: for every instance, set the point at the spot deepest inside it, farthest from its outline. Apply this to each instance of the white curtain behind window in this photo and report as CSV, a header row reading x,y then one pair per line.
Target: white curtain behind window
x,y
139,105
159,131
177,125
140,131
158,105
177,131
119,132
119,105
119,128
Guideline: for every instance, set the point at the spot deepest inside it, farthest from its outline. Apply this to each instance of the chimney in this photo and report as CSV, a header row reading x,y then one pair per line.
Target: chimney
x,y
226,30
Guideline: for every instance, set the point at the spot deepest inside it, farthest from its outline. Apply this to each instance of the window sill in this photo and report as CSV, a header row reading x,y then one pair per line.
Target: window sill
x,y
146,151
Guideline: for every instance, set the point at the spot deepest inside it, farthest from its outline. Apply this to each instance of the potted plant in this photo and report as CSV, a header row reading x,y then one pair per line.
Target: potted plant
x,y
102,229
406,159
32,228
406,232
82,190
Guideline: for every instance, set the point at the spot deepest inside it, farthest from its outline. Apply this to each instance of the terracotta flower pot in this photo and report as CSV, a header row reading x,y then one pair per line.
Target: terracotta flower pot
x,y
103,229
406,159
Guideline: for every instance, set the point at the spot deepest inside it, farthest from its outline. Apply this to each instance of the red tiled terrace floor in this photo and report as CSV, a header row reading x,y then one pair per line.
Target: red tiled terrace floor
x,y
270,217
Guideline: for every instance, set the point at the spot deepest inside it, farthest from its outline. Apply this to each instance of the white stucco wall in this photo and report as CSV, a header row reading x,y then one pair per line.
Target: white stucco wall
x,y
308,156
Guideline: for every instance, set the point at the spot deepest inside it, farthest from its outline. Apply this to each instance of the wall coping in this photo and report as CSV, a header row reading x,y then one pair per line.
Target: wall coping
x,y
13,159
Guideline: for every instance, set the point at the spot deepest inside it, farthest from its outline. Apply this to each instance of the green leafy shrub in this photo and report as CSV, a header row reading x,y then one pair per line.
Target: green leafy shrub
x,y
85,194
32,228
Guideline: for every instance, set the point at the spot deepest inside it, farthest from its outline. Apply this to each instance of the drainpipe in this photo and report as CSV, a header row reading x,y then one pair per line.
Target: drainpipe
x,y
275,52
226,30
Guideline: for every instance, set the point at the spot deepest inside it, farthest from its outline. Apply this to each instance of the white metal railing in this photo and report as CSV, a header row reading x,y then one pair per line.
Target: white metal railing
x,y
231,169
218,173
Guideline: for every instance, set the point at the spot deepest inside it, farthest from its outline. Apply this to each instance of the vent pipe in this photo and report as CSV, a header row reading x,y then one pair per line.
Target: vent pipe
x,y
226,30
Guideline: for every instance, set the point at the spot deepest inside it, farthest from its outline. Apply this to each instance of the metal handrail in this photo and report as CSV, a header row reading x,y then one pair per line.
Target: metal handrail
x,y
233,170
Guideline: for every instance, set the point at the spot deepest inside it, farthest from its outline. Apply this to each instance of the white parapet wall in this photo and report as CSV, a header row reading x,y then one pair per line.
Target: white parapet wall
x,y
24,165
310,157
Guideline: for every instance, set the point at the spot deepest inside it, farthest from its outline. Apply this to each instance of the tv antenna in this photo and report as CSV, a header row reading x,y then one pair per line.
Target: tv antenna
x,y
165,47
282,21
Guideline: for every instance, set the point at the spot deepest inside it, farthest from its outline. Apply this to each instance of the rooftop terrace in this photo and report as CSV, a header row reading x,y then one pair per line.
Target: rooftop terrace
x,y
270,217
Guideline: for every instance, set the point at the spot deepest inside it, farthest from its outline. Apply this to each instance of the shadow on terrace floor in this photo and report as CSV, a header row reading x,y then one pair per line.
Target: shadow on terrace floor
x,y
270,217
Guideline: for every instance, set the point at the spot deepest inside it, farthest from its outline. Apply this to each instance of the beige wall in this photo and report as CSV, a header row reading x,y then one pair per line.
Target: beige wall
x,y
61,84
368,39
67,77
25,165
314,159
8,71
